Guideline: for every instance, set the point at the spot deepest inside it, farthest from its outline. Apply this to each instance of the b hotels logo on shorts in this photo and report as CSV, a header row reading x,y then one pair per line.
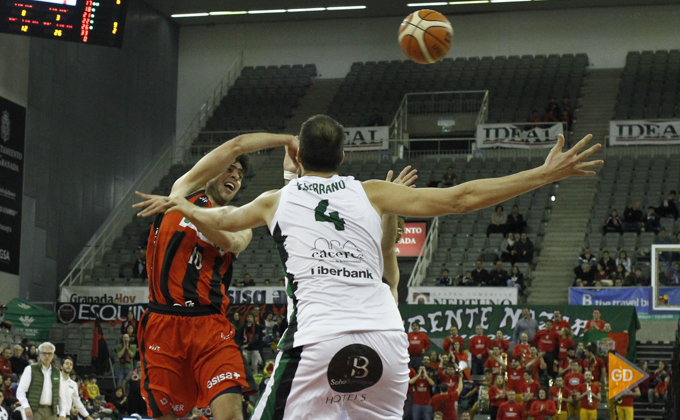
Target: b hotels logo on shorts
x,y
354,368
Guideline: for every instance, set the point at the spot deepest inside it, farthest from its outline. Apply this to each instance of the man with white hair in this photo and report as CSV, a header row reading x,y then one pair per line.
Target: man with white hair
x,y
38,390
17,361
68,392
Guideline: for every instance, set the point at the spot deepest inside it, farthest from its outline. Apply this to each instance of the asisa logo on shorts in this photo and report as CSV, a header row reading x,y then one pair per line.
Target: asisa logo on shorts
x,y
354,368
222,377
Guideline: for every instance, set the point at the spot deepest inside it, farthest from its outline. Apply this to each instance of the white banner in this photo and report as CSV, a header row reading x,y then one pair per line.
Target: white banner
x,y
644,132
106,294
512,136
366,138
462,295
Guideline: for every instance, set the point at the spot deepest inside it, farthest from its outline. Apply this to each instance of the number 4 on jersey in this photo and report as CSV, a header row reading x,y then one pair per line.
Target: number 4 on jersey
x,y
333,217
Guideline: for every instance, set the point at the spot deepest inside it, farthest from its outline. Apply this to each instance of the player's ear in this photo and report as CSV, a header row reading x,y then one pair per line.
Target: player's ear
x,y
297,156
343,158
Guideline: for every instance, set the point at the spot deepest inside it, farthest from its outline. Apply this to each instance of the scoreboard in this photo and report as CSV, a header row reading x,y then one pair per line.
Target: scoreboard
x,y
99,22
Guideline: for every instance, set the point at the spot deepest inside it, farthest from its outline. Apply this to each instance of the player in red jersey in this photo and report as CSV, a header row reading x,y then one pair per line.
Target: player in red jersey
x,y
562,397
186,343
510,410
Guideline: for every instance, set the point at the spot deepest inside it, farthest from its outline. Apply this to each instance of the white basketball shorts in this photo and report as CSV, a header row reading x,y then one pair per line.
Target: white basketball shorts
x,y
357,376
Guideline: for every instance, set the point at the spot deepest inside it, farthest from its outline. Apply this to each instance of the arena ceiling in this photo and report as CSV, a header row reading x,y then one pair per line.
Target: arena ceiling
x,y
237,11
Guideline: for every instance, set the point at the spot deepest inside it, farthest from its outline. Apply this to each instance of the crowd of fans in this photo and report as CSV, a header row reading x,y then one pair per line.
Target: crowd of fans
x,y
554,112
635,221
537,372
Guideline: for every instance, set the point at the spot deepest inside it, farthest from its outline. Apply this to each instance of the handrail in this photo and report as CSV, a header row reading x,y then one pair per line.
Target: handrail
x,y
425,256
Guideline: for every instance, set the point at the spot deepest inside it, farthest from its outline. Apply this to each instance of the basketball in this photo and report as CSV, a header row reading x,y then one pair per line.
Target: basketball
x,y
425,36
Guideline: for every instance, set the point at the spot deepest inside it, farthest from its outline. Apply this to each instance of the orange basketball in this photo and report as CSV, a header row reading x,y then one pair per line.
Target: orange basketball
x,y
425,36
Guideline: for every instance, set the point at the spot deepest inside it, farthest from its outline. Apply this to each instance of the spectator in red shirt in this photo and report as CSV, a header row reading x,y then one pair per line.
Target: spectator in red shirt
x,y
548,343
596,323
453,336
565,364
421,395
572,381
534,361
447,373
566,342
479,349
559,322
529,389
660,391
595,365
445,402
498,340
418,344
510,410
5,364
624,408
522,348
497,396
542,408
589,395
560,396
458,355
494,362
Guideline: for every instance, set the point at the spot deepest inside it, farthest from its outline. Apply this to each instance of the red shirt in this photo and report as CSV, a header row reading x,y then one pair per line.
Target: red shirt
x,y
511,411
573,380
5,367
421,394
411,374
520,349
515,379
661,388
533,367
461,357
547,341
565,343
566,393
448,343
479,344
451,381
445,404
597,370
628,400
600,324
494,366
582,389
418,343
504,345
558,325
495,398
549,409
530,388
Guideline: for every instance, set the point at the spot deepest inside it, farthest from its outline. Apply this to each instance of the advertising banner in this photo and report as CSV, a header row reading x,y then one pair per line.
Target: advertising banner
x,y
257,295
12,131
640,297
412,240
462,295
644,132
519,137
80,313
105,294
366,138
32,320
436,320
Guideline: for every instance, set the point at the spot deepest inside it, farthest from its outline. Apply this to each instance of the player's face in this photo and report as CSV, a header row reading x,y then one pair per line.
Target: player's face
x,y
224,187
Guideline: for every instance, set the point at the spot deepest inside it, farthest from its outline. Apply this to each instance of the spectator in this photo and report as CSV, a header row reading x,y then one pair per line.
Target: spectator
x,y
247,281
376,119
662,238
4,324
32,354
497,396
521,349
451,338
501,342
480,276
479,349
250,338
589,395
133,335
505,250
447,372
139,266
603,275
279,328
17,361
566,342
419,343
467,280
624,260
633,218
559,322
572,381
543,408
236,320
552,111
566,106
515,221
534,117
421,398
595,365
493,362
526,325
529,388
5,364
587,257
126,352
613,223
266,283
498,219
586,274
566,120
607,262
135,402
92,387
458,354
7,388
282,282
596,323
620,274
449,179
511,409
517,280
444,279
130,320
523,250
668,207
652,223
498,276
561,395
637,279
548,343
445,402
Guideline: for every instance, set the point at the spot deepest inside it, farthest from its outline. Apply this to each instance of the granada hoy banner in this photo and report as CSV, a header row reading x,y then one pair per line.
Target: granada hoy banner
x,y
644,132
108,294
436,320
518,137
366,138
462,295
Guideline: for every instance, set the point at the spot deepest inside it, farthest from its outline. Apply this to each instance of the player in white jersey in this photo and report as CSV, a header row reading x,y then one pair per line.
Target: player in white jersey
x,y
344,353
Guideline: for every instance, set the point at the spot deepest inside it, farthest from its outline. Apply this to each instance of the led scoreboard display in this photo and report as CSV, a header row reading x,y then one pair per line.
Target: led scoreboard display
x,y
98,22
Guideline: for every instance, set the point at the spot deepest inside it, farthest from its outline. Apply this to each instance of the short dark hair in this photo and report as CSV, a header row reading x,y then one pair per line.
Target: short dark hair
x,y
68,358
443,387
246,163
529,372
321,142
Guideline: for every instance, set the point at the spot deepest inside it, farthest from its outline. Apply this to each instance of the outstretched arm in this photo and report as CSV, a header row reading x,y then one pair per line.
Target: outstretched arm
x,y
476,195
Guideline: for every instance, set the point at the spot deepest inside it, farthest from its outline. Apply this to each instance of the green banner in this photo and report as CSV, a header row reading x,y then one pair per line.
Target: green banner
x,y
436,320
31,320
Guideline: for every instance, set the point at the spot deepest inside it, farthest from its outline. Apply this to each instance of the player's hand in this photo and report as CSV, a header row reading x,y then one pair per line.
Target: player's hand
x,y
559,165
406,177
154,204
28,412
290,160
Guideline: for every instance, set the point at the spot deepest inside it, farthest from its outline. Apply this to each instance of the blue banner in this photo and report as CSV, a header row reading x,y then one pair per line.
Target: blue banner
x,y
620,296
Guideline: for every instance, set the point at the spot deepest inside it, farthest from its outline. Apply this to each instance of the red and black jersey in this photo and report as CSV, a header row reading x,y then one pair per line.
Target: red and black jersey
x,y
185,268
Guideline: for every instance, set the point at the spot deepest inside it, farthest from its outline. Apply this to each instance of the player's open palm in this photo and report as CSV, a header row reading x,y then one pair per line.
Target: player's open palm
x,y
560,165
406,177
155,204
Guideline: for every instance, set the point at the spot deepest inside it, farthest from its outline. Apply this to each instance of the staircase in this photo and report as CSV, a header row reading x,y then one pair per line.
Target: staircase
x,y
597,105
314,102
564,237
653,352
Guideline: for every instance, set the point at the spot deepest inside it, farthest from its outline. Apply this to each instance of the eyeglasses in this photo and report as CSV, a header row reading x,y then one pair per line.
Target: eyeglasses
x,y
46,354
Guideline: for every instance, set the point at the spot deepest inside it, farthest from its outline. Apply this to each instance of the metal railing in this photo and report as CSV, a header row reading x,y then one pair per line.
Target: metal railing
x,y
425,257
179,151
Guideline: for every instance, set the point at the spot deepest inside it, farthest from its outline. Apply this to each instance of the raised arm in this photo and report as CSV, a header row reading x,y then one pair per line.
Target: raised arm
x,y
482,193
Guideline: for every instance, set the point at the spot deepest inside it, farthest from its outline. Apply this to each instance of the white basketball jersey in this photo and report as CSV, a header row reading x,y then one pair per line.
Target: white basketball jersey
x,y
328,235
